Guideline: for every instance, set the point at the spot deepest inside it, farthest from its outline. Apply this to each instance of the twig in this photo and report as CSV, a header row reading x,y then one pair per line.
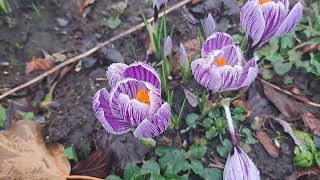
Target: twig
x,y
89,52
290,94
82,177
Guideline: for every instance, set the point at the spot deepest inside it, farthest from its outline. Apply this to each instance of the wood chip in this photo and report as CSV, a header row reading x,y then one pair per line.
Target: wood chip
x,y
267,143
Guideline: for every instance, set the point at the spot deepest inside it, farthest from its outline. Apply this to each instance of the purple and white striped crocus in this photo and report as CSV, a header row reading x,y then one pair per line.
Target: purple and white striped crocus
x,y
267,19
134,102
159,4
221,66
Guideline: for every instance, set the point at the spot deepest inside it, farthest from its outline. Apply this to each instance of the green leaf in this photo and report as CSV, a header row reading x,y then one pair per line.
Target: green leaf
x,y
197,166
208,122
150,167
156,177
272,48
224,148
266,74
317,158
287,80
211,173
70,153
249,138
282,68
239,113
132,172
211,133
197,151
85,148
172,157
27,116
113,22
191,120
286,41
2,115
113,177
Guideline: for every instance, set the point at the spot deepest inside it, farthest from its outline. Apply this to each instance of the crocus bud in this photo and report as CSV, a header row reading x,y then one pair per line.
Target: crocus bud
x,y
209,26
183,58
159,4
167,48
240,167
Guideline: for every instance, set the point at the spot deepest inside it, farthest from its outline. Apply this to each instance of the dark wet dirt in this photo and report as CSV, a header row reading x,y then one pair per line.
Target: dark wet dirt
x,y
70,116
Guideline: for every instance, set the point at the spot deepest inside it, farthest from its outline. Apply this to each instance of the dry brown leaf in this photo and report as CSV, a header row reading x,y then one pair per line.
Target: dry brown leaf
x,y
311,171
267,143
192,99
24,155
85,3
38,64
98,164
312,122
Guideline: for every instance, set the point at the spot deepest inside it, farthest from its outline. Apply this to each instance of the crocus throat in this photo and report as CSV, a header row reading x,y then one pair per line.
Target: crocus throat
x,y
220,61
143,96
261,2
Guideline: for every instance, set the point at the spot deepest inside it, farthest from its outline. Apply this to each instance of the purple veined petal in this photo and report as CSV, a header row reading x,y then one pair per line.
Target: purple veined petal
x,y
215,42
115,73
155,102
206,74
159,123
159,4
291,20
251,19
229,77
274,14
143,72
132,110
101,108
285,3
209,26
249,73
232,54
239,166
167,47
183,58
126,86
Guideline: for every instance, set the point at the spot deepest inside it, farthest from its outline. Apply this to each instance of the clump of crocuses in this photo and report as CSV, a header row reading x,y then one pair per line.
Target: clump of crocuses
x,y
267,19
222,66
134,102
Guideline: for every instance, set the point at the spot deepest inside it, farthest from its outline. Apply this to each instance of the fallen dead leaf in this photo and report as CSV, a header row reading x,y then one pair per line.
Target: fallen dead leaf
x,y
312,122
192,99
38,64
98,164
24,155
85,3
311,171
267,143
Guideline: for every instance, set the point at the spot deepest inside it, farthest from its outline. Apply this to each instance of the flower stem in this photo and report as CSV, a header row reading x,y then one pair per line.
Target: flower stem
x,y
226,103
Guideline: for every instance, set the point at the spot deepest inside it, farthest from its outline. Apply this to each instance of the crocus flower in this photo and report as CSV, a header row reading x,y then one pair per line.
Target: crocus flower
x,y
159,4
209,25
134,102
221,66
239,166
267,19
167,47
184,63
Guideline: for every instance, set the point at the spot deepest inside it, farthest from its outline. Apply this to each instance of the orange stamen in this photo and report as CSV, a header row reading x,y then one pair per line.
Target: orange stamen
x,y
220,61
143,96
261,2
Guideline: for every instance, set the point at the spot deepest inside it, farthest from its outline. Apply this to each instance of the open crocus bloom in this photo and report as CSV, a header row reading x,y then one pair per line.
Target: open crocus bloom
x,y
221,66
240,167
266,19
134,102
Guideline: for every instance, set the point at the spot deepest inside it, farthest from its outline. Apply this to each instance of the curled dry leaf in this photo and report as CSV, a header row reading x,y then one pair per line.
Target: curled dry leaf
x,y
312,122
85,3
267,143
38,64
24,155
311,171
192,99
98,164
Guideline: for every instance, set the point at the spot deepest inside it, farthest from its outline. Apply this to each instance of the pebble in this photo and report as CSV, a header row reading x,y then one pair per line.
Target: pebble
x,y
62,22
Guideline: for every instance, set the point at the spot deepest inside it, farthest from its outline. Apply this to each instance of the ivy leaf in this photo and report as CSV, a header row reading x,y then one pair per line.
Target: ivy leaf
x,y
2,115
249,138
191,120
113,22
197,151
113,177
132,172
150,167
197,166
172,157
224,148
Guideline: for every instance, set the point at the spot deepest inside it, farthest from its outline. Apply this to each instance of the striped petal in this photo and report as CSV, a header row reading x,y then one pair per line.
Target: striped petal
x,y
206,74
229,77
274,14
143,72
101,108
155,102
159,123
291,20
132,110
284,2
115,73
233,54
251,19
249,73
209,26
215,42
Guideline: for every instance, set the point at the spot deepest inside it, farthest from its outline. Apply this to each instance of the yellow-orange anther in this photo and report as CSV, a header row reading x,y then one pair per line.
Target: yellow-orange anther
x,y
220,61
261,2
143,96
